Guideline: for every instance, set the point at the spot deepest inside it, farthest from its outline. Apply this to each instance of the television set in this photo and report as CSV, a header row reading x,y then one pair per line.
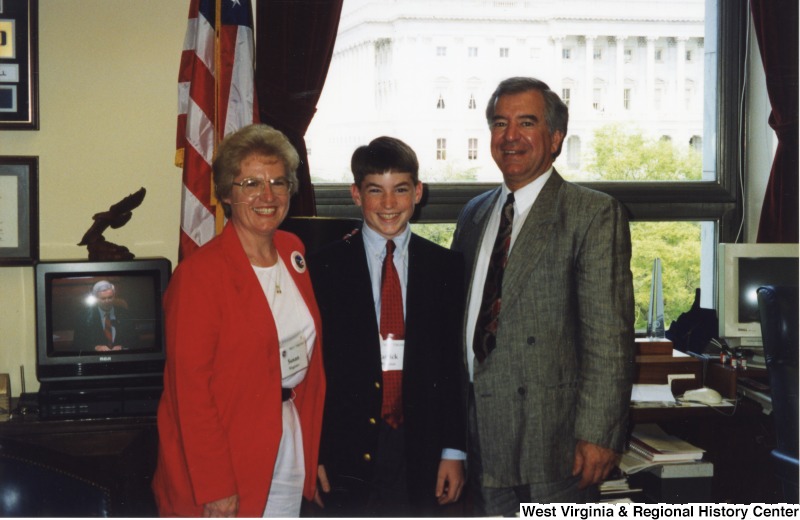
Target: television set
x,y
742,269
85,364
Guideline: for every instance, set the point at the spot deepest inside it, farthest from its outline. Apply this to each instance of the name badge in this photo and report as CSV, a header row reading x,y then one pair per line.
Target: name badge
x,y
294,357
392,353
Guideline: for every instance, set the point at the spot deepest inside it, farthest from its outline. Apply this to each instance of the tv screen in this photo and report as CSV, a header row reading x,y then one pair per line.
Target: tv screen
x,y
100,321
758,272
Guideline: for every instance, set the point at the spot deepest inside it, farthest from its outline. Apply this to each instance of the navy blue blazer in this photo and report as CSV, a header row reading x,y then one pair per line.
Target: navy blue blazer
x,y
433,404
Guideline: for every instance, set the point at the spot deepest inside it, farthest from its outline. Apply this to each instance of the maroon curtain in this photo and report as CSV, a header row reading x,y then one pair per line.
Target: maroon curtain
x,y
775,24
294,45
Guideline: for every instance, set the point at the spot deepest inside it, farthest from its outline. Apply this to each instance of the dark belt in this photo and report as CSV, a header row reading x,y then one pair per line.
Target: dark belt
x,y
286,394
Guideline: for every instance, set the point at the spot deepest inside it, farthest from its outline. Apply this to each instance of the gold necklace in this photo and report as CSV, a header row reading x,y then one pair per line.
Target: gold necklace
x,y
278,277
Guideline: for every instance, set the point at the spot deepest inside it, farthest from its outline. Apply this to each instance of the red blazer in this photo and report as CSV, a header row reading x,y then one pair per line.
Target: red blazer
x,y
219,419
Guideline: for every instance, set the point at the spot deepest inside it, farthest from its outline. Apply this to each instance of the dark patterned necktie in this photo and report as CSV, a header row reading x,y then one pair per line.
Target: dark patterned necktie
x,y
485,339
392,322
108,331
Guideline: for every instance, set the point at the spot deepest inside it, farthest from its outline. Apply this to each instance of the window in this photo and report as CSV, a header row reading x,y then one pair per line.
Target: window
x,y
597,98
441,149
441,51
504,52
440,103
659,55
658,96
472,148
699,187
472,52
598,54
573,151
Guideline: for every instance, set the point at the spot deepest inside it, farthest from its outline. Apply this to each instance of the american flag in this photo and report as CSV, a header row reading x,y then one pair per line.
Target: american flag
x,y
216,96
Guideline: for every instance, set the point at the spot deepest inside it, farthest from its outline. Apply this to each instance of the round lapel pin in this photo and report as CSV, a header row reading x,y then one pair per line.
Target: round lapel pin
x,y
298,262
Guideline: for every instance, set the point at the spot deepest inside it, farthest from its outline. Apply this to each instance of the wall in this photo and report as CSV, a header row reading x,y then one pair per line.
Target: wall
x,y
108,98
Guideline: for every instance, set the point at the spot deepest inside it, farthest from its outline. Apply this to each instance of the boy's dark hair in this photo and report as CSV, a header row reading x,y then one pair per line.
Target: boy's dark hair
x,y
383,155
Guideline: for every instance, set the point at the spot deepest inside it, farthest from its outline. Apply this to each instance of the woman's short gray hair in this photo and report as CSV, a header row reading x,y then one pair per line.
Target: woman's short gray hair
x,y
236,147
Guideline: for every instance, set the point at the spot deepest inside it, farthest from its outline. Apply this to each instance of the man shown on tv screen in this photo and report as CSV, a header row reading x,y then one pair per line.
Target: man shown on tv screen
x,y
106,325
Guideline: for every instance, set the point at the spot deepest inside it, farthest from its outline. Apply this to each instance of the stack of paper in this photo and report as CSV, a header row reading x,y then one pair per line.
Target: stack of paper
x,y
653,444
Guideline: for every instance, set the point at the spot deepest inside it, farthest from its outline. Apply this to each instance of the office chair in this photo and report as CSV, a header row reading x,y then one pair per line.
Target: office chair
x,y
37,482
778,306
316,232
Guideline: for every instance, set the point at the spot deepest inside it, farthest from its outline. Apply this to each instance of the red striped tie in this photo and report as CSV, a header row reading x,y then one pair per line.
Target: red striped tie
x,y
485,339
108,331
392,323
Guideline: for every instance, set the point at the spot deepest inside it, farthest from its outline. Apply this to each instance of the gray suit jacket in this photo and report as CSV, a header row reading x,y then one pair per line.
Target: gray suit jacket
x,y
564,361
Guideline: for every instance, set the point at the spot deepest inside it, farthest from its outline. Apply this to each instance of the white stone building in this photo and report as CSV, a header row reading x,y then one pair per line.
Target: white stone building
x,y
423,70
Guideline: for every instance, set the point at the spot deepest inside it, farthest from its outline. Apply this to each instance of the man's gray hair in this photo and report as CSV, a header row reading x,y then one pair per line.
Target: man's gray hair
x,y
102,286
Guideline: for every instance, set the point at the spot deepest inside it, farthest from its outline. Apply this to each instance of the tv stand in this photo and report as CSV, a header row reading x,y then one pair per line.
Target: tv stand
x,y
116,452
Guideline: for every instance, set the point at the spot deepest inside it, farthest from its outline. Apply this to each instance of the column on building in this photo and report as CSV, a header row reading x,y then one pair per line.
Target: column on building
x,y
558,47
589,73
650,82
680,75
619,76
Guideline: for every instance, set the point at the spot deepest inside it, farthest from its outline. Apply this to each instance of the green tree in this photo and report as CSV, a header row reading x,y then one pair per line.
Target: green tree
x,y
441,234
621,153
677,244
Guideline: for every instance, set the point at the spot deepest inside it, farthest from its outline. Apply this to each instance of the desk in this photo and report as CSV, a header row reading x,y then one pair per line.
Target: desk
x,y
737,441
646,413
119,453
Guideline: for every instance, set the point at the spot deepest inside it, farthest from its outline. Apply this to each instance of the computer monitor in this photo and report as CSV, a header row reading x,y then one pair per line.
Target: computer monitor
x,y
742,269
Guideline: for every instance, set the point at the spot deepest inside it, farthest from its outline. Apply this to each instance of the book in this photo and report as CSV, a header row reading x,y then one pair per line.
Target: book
x,y
653,444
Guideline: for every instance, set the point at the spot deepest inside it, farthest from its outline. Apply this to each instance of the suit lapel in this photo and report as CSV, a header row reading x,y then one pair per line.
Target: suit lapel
x,y
532,239
245,283
416,286
471,242
357,273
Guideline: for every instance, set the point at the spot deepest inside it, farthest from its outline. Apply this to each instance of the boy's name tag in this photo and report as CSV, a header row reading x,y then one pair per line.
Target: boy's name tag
x,y
293,355
392,353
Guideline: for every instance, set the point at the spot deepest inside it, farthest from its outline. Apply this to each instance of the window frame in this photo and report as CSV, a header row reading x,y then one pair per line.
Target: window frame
x,y
720,200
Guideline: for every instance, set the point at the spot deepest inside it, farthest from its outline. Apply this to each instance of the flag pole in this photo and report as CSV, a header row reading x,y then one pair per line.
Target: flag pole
x,y
219,215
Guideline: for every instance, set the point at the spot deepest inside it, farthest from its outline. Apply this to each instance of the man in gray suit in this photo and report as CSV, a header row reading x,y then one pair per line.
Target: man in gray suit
x,y
549,330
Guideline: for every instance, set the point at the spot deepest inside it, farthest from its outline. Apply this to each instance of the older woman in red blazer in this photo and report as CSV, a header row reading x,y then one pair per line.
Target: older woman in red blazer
x,y
239,420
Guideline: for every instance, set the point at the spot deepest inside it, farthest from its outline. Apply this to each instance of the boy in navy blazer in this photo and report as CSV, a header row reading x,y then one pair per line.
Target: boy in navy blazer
x,y
393,438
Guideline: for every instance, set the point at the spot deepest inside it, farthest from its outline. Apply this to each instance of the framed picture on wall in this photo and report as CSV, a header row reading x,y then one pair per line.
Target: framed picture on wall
x,y
19,210
19,68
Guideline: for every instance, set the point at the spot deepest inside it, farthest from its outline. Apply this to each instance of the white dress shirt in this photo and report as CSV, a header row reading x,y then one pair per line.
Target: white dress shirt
x,y
523,201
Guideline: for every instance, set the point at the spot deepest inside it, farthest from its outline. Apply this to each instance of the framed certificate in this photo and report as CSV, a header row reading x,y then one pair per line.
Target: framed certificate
x,y
19,210
19,70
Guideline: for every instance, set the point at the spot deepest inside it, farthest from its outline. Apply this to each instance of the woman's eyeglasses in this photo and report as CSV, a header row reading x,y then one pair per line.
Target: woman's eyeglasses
x,y
253,186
